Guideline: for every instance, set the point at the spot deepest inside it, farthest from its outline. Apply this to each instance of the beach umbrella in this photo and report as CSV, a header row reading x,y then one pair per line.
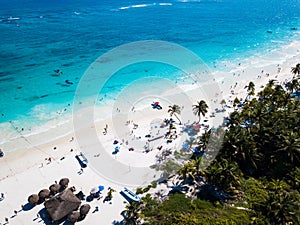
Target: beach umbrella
x,y
226,121
101,188
196,127
185,146
45,193
64,182
33,199
94,190
54,188
73,216
196,149
84,209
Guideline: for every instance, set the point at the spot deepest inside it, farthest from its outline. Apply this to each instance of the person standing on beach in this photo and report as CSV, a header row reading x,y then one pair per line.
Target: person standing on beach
x,y
105,129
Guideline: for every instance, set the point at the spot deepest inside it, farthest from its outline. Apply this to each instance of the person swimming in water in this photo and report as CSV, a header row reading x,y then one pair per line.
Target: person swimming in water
x,y
58,71
68,82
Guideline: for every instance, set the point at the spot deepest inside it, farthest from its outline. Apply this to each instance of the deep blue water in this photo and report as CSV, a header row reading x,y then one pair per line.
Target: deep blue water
x,y
37,37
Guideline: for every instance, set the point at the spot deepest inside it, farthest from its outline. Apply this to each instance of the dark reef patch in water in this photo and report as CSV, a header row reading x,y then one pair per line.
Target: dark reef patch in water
x,y
7,79
5,74
31,98
31,65
68,64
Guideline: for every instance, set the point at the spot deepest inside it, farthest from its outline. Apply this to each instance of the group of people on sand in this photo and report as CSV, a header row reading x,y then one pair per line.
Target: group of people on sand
x,y
15,211
117,148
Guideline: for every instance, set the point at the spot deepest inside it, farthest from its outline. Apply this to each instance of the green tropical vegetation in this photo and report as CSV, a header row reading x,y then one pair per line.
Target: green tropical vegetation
x,y
296,70
255,178
250,89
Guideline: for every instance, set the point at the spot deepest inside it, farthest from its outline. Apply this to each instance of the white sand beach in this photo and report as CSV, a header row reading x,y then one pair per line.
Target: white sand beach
x,y
27,170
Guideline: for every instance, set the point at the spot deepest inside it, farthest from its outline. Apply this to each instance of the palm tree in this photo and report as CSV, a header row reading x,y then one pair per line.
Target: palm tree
x,y
191,170
109,194
203,139
250,88
224,174
131,213
171,127
292,85
281,206
296,70
187,172
271,83
236,102
290,147
174,110
200,109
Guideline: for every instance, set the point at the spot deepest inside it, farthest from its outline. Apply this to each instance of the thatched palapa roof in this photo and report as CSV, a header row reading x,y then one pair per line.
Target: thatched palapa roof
x,y
54,188
62,204
64,182
73,216
45,193
33,199
84,209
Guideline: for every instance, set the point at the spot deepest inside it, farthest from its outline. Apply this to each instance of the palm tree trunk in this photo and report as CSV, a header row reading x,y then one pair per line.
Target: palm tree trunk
x,y
178,119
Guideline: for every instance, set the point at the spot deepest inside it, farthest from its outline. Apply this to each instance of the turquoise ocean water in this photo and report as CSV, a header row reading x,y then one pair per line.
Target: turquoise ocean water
x,y
38,37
